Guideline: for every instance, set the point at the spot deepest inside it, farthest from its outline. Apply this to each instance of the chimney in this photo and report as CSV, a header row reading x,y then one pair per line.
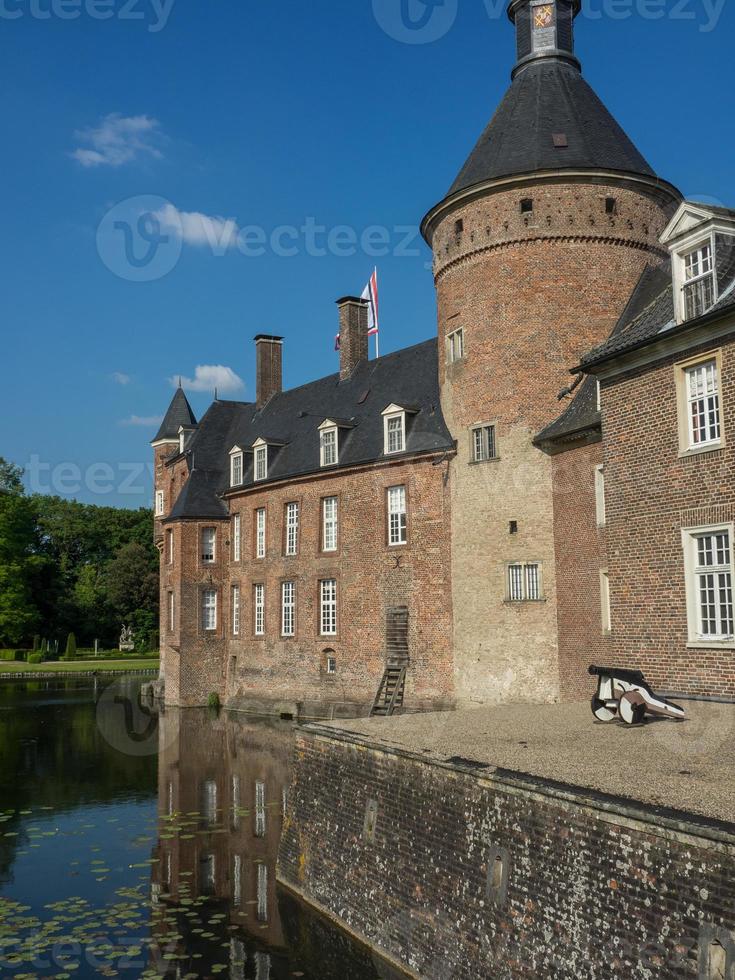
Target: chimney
x,y
353,334
268,368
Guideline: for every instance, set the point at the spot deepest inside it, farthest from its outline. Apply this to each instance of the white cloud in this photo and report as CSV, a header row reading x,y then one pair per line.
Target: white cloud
x,y
196,228
207,377
118,140
121,379
144,421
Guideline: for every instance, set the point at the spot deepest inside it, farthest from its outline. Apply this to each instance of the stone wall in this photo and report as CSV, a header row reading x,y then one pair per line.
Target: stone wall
x,y
653,493
462,875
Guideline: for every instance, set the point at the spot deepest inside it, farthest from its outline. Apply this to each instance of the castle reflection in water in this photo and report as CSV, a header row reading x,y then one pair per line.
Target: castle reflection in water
x,y
222,795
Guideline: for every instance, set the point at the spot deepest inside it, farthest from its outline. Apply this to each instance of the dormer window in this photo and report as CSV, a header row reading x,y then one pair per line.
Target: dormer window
x,y
395,432
328,452
182,440
261,463
699,281
236,467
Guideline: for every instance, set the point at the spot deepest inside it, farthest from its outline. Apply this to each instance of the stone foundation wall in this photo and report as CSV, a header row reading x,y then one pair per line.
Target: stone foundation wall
x,y
502,879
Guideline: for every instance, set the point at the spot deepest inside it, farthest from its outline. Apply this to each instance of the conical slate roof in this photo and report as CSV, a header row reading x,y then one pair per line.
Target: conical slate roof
x,y
179,413
548,105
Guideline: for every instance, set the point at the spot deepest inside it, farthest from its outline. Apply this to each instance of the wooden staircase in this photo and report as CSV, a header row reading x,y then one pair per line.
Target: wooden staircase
x,y
393,685
391,690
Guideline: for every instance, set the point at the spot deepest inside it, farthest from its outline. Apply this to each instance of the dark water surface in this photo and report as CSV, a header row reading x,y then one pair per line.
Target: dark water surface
x,y
139,845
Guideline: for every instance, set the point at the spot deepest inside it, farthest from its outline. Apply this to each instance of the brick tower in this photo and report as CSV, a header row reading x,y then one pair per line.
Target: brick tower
x,y
537,248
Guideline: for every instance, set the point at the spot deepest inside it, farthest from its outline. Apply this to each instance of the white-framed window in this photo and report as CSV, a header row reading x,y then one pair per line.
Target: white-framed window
x,y
524,582
209,610
262,916
236,537
605,602
292,529
209,545
395,432
171,612
397,516
159,503
483,443
236,469
600,514
708,563
170,546
328,607
328,447
261,463
330,523
259,609
698,288
455,346
703,403
260,809
288,608
235,610
260,532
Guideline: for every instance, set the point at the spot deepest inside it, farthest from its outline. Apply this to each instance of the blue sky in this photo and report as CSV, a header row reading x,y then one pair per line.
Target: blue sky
x,y
266,114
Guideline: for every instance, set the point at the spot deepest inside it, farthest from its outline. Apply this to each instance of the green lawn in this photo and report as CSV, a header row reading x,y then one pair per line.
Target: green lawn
x,y
77,666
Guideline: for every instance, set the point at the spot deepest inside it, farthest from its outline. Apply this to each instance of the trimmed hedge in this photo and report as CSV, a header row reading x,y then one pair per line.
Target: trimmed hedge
x,y
13,655
35,658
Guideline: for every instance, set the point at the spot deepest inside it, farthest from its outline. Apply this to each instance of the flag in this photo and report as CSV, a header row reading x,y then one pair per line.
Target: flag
x,y
337,344
370,294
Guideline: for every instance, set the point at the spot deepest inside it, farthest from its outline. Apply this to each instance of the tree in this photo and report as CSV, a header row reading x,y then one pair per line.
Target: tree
x,y
71,646
132,587
18,562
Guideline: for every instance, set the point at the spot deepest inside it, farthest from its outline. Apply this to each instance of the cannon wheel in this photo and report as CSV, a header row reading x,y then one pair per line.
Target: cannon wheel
x,y
601,711
632,708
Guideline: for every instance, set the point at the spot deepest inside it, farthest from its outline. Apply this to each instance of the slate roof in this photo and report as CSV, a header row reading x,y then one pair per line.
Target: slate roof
x,y
649,315
544,99
179,413
408,378
580,416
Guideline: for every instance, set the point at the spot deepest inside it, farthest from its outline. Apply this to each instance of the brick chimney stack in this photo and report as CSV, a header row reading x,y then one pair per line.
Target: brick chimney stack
x,y
353,334
269,368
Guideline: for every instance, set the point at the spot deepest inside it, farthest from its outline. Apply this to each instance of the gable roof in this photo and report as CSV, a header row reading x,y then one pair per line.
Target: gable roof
x,y
179,413
544,99
290,423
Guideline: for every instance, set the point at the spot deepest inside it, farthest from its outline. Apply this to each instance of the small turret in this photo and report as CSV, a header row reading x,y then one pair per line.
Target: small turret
x,y
544,29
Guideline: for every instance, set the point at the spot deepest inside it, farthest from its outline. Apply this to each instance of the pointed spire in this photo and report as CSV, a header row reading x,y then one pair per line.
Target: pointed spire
x,y
179,413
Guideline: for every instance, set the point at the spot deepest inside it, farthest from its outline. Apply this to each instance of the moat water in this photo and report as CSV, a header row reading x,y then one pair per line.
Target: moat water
x,y
135,844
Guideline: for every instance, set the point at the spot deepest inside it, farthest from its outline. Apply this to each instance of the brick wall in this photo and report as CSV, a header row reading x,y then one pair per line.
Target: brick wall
x,y
581,555
532,293
652,494
500,881
371,578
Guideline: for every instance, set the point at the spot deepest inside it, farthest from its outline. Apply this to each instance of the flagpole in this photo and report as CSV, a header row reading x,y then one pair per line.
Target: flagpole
x,y
377,324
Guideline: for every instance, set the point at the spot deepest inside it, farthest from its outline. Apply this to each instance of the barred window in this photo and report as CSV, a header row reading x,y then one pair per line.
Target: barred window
x,y
209,609
397,518
259,609
524,582
329,524
328,607
288,608
483,443
260,533
292,529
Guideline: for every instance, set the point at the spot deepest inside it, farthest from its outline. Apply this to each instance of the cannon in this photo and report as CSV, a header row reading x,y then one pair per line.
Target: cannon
x,y
626,694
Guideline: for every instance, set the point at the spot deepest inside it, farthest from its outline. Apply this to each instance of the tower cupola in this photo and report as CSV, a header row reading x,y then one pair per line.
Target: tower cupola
x,y
544,30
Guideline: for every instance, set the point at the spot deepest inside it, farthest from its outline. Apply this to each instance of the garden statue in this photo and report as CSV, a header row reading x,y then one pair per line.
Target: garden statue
x,y
126,638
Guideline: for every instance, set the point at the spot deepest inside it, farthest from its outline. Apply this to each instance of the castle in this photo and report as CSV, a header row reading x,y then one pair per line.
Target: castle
x,y
438,511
